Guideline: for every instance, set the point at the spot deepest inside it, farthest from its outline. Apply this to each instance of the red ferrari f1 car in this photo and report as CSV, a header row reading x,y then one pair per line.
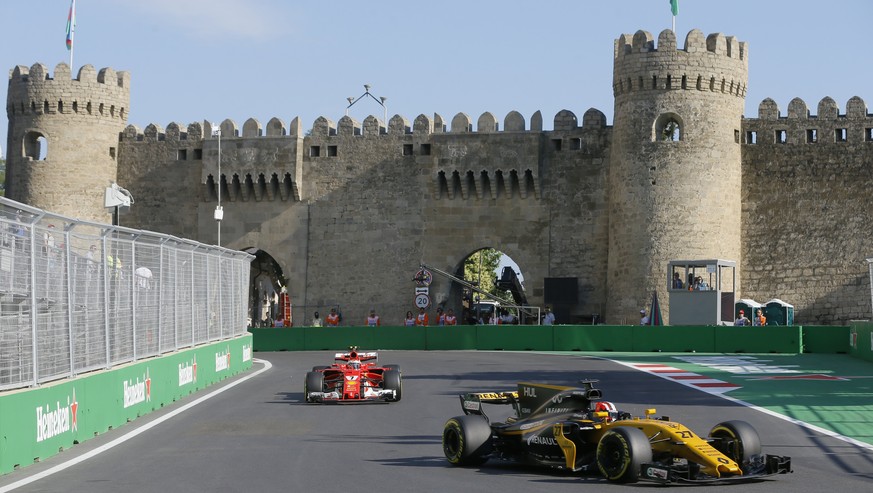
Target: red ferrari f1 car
x,y
354,377
571,428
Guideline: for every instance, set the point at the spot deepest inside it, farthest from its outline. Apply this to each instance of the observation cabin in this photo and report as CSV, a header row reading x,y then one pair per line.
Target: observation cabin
x,y
702,292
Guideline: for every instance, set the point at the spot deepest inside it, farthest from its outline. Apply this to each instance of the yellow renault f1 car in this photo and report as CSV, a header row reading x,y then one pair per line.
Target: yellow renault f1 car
x,y
571,428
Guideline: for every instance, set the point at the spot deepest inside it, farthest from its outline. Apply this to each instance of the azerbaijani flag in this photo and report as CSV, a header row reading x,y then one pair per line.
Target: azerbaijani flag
x,y
674,7
71,25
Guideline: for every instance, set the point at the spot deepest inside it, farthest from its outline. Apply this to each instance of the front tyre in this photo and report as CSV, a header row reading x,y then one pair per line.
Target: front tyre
x,y
391,380
736,439
621,453
314,383
467,440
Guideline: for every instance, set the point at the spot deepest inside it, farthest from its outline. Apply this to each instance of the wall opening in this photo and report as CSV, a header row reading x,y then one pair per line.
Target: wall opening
x,y
35,146
668,128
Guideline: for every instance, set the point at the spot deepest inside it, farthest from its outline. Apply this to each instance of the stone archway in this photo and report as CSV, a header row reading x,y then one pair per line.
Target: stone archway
x,y
267,283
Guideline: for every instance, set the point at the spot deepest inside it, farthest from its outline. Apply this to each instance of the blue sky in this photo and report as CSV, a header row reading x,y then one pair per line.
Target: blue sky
x,y
215,59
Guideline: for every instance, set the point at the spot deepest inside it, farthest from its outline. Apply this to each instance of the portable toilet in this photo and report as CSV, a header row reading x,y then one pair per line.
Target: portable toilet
x,y
779,312
747,306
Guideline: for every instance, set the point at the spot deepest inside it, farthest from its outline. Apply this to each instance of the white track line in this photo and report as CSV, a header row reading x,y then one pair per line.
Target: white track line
x,y
764,410
132,433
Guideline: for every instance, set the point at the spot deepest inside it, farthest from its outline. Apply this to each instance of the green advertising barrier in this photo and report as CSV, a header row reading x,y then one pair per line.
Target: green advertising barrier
x,y
400,338
515,337
826,339
861,340
593,337
674,339
623,338
450,337
767,339
40,422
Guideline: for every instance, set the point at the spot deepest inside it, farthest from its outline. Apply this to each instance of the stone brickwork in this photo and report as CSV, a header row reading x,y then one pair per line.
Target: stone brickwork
x,y
79,120
349,210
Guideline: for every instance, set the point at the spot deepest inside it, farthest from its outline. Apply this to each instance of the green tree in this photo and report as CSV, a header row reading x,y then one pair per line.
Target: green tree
x,y
2,177
479,270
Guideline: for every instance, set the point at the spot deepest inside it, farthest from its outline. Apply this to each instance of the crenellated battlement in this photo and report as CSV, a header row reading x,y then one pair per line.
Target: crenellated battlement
x,y
800,126
715,63
347,126
103,94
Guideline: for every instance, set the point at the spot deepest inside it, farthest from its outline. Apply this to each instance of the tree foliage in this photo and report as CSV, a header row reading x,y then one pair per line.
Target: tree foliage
x,y
479,270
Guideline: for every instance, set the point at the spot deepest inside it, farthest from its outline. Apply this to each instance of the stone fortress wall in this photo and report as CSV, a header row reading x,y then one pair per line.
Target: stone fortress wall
x,y
349,210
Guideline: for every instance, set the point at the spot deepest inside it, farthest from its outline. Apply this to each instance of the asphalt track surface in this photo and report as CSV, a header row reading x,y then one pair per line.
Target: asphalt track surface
x,y
260,436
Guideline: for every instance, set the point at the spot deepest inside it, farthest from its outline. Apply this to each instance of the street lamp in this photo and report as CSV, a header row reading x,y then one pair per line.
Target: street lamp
x,y
380,101
219,212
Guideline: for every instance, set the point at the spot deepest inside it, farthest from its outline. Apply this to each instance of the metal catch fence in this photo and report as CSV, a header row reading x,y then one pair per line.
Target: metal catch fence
x,y
77,296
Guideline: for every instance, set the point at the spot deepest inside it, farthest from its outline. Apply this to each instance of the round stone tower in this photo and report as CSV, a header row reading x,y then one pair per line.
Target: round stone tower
x,y
63,137
675,171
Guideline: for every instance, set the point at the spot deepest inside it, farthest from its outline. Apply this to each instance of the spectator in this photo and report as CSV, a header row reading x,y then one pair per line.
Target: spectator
x,y
506,318
742,320
422,319
700,284
373,320
332,319
493,319
644,319
441,317
410,319
760,319
451,319
316,320
549,317
677,281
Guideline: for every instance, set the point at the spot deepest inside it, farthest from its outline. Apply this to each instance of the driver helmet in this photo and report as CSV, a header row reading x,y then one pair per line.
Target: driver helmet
x,y
355,364
608,407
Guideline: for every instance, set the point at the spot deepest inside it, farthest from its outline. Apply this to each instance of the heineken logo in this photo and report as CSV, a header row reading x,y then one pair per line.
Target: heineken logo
x,y
136,391
51,422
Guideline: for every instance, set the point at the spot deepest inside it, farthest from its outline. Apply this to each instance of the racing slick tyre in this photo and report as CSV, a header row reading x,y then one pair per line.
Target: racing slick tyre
x,y
314,383
467,440
391,380
740,440
319,368
621,453
392,367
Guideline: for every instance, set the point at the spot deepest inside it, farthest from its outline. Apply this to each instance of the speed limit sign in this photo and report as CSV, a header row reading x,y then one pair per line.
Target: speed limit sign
x,y
422,300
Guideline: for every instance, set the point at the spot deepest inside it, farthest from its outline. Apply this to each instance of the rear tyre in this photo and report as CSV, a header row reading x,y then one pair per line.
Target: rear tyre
x,y
739,441
621,453
467,440
314,383
391,380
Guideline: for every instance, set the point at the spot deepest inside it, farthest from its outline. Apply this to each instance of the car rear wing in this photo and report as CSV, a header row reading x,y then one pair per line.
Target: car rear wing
x,y
354,355
472,402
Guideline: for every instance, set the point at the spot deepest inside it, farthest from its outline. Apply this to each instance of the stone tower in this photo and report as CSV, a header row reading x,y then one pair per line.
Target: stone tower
x,y
63,137
675,170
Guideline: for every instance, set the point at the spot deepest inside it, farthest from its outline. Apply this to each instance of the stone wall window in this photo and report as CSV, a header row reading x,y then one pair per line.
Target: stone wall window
x,y
576,144
425,149
112,153
868,134
839,135
812,136
182,155
35,146
668,128
332,151
556,144
407,149
736,136
314,151
751,137
780,136
198,154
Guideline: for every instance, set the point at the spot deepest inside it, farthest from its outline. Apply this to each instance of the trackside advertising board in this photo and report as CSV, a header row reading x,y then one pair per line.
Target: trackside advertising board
x,y
40,422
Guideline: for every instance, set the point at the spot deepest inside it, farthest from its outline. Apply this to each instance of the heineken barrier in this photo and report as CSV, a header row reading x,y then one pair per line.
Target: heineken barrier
x,y
38,423
624,338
